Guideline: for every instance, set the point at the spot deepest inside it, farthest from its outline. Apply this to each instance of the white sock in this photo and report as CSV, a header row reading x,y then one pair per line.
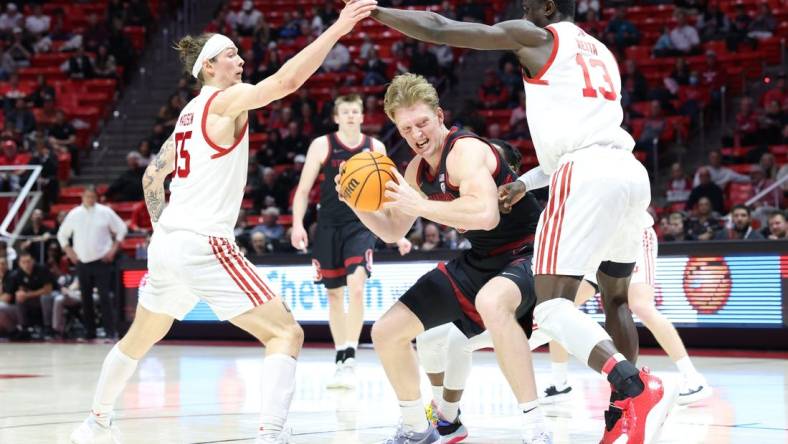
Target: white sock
x,y
115,372
351,344
685,367
413,417
340,347
449,410
437,393
532,414
559,374
278,385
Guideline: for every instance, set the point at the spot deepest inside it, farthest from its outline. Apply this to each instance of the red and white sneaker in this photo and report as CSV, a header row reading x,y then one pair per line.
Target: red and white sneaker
x,y
642,416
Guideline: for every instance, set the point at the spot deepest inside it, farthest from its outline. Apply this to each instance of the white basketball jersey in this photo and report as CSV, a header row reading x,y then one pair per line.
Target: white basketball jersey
x,y
574,102
208,183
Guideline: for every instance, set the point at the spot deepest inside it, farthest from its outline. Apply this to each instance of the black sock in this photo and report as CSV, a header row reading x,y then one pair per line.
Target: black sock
x,y
340,356
625,378
350,352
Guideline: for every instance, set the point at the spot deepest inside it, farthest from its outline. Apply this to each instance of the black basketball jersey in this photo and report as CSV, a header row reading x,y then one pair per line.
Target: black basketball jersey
x,y
332,211
514,231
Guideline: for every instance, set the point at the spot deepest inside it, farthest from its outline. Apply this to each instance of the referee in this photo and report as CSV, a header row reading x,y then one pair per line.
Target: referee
x,y
97,233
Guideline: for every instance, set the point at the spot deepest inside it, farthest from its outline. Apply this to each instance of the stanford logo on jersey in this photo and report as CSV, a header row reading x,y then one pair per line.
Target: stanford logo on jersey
x,y
186,119
442,180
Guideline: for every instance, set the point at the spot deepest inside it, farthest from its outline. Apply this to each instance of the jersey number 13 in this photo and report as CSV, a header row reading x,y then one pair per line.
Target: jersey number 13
x,y
608,93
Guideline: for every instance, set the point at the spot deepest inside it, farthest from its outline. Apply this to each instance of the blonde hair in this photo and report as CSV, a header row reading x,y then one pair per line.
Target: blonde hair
x,y
407,90
189,49
348,98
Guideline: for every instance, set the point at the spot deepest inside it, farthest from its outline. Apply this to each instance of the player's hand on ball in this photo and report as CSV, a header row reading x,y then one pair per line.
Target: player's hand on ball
x,y
354,12
404,246
509,194
298,238
337,178
401,196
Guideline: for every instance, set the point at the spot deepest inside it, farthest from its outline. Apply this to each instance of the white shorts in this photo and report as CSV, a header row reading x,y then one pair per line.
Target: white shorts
x,y
185,267
645,264
596,212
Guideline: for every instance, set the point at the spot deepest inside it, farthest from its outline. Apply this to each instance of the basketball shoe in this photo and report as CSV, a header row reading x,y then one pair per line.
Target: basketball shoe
x,y
403,436
451,432
693,389
282,437
554,395
91,432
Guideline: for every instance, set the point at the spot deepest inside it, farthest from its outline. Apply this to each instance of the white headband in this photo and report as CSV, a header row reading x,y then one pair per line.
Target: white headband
x,y
215,45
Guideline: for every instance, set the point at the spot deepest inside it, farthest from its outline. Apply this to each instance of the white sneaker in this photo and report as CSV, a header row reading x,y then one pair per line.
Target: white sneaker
x,y
336,381
348,376
91,432
282,437
693,389
537,434
554,395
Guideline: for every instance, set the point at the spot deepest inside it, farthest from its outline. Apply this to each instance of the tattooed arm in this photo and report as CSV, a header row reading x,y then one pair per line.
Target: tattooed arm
x,y
153,180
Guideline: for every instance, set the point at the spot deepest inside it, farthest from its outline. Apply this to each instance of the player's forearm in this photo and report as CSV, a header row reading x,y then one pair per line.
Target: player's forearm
x,y
467,213
301,66
300,203
420,25
535,178
387,226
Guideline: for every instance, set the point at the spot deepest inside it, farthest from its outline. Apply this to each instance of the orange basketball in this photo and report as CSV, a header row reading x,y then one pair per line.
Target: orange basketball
x,y
363,180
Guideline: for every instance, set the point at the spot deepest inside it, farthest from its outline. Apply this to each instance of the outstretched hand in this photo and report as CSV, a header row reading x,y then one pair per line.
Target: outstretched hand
x,y
353,12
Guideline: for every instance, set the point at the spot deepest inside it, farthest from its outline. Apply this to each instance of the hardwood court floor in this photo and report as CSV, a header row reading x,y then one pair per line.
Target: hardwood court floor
x,y
210,394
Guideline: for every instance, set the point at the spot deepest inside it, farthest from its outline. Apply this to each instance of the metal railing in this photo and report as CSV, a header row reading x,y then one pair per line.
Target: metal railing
x,y
26,194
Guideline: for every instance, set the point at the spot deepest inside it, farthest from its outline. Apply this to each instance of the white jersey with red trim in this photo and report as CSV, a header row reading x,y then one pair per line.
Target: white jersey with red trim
x,y
574,102
208,183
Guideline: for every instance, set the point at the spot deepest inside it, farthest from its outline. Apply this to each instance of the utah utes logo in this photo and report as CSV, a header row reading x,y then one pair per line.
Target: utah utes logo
x,y
707,283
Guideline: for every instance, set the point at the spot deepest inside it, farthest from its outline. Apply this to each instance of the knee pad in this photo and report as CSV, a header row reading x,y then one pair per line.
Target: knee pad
x,y
570,327
431,348
459,358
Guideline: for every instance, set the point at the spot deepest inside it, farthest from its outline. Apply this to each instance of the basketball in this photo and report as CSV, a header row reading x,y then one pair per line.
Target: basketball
x,y
363,180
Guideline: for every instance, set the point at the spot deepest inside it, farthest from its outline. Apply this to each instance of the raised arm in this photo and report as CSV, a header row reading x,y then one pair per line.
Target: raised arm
x,y
153,180
314,161
435,28
243,96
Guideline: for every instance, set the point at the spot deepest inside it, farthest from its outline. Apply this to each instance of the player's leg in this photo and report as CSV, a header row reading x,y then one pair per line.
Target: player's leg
x,y
330,271
613,279
430,302
354,319
498,302
337,320
432,354
119,365
357,250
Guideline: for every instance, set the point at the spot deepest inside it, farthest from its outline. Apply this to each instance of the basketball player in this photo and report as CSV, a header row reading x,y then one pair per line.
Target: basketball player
x,y
192,254
343,245
452,180
599,195
694,387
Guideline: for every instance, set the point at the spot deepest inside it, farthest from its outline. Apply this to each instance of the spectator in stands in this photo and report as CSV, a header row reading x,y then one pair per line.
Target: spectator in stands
x,y
424,63
138,14
36,237
259,244
492,93
21,118
768,165
30,286
105,66
328,13
663,47
512,78
47,180
11,156
679,187
777,228
708,189
741,228
431,237
712,76
620,32
95,33
295,142
97,234
713,23
80,66
771,123
740,27
11,18
337,59
683,36
63,138
141,250
42,92
20,50
248,20
653,127
640,84
291,25
586,8
8,252
518,113
116,10
68,296
771,201
445,56
470,11
270,191
763,24
367,45
269,227
37,22
158,137
691,7
778,92
128,186
720,175
9,313
144,150
374,69
168,114
706,223
7,63
746,129
140,218
120,46
681,73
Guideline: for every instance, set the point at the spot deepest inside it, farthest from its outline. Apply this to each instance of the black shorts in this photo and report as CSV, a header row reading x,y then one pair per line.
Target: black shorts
x,y
339,250
448,293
